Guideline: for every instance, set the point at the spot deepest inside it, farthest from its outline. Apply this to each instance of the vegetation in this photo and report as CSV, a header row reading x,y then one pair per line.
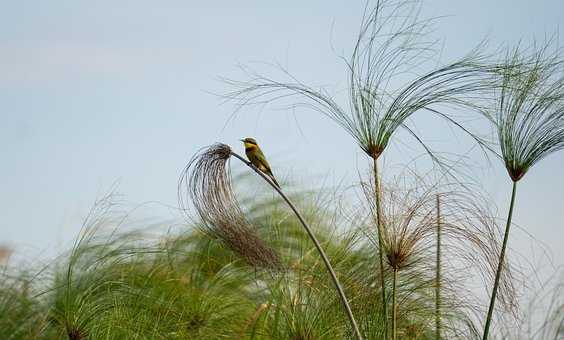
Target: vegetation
x,y
193,284
529,119
401,259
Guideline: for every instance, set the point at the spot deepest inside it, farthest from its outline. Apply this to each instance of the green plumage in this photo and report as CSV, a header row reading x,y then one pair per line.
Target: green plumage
x,y
257,158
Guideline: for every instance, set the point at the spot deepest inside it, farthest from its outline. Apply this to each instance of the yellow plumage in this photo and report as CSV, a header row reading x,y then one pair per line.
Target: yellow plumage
x,y
257,158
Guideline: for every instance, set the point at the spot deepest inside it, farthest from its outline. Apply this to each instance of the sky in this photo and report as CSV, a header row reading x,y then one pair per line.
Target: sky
x,y
100,94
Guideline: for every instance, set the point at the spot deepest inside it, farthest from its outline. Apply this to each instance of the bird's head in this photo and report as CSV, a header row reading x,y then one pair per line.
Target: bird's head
x,y
249,142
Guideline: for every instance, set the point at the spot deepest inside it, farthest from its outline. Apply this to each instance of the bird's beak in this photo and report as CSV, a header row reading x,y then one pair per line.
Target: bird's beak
x,y
242,140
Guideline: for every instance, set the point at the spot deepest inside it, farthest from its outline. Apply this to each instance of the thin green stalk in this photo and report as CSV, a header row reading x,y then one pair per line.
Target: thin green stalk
x,y
315,242
394,305
500,264
438,275
377,192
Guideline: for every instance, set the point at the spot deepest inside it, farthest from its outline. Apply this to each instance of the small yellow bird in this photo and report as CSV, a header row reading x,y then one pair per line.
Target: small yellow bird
x,y
256,157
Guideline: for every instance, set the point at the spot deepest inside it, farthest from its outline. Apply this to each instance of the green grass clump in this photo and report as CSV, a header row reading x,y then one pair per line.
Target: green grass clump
x,y
189,285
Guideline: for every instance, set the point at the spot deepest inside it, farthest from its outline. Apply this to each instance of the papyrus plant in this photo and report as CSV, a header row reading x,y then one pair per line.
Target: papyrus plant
x,y
385,86
467,233
528,116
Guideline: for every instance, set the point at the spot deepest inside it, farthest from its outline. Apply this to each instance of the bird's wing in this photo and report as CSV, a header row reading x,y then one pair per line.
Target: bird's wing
x,y
262,160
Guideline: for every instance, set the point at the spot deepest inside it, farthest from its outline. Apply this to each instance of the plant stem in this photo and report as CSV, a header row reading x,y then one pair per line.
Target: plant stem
x,y
377,193
315,242
394,305
438,275
500,264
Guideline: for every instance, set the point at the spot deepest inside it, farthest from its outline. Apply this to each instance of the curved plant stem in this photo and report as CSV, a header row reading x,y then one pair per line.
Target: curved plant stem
x,y
394,305
438,275
377,194
315,242
500,264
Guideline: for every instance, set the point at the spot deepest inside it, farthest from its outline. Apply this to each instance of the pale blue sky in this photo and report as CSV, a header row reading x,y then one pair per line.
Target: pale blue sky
x,y
100,91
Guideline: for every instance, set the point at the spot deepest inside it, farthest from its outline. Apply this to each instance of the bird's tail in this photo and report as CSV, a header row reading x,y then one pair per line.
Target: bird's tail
x,y
269,173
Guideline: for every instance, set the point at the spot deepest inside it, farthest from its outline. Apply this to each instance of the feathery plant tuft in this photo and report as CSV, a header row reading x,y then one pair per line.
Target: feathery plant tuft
x,y
529,119
529,114
405,234
207,182
468,240
390,46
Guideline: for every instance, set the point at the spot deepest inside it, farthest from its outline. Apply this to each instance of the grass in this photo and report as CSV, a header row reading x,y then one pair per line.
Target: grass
x,y
191,284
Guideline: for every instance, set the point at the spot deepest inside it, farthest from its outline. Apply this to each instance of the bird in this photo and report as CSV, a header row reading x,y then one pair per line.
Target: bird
x,y
257,158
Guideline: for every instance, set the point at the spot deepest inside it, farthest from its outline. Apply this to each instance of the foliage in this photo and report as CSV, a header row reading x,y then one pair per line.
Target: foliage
x,y
243,267
118,285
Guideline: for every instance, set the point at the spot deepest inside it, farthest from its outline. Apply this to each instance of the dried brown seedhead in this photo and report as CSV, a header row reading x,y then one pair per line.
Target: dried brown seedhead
x,y
470,238
206,182
396,259
409,228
